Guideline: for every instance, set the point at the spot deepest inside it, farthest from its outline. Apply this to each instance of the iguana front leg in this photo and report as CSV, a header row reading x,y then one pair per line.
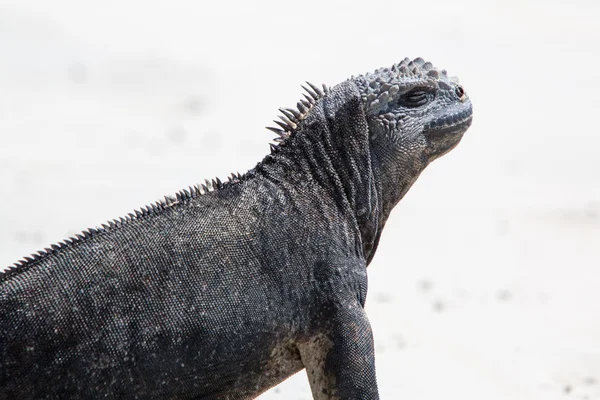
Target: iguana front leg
x,y
341,364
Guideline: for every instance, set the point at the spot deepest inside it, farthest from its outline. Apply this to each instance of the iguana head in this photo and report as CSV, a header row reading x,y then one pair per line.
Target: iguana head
x,y
411,106
382,128
415,113
416,107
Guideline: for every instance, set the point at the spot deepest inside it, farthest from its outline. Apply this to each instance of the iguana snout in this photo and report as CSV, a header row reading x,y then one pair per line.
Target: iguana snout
x,y
447,126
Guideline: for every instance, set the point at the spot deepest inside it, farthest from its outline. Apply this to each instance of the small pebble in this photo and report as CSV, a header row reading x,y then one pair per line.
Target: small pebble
x,y
504,295
438,306
568,389
590,380
425,285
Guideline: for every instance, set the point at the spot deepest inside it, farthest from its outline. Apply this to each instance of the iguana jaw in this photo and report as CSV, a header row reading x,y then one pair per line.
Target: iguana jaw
x,y
443,132
452,122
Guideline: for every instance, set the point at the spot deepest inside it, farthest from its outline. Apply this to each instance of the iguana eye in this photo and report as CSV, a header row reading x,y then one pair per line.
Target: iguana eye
x,y
460,92
415,98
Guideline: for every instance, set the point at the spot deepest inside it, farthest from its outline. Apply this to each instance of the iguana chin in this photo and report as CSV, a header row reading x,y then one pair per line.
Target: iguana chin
x,y
227,289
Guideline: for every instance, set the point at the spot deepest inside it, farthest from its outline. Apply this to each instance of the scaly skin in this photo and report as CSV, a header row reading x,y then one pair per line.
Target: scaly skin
x,y
225,291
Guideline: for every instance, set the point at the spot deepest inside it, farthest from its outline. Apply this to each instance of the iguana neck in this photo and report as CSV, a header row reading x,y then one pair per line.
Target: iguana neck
x,y
331,149
394,178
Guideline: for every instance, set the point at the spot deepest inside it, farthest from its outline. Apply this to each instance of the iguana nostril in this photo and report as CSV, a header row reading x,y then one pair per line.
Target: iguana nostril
x,y
460,92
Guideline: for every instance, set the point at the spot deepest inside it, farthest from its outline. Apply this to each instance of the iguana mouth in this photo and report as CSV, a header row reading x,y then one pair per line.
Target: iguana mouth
x,y
456,122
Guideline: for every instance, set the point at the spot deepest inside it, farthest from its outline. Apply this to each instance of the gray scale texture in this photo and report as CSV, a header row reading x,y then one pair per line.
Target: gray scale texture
x,y
223,291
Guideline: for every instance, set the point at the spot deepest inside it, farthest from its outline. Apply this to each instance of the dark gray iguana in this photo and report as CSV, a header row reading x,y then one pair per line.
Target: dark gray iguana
x,y
223,292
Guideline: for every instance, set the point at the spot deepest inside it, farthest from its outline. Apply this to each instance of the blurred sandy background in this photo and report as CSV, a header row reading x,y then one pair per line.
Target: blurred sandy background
x,y
487,281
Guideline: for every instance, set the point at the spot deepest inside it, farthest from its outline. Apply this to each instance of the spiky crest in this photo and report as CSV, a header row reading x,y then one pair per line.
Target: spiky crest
x,y
292,117
288,125
180,197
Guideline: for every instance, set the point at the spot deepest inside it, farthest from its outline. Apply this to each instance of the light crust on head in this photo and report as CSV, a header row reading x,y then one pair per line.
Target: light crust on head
x,y
379,86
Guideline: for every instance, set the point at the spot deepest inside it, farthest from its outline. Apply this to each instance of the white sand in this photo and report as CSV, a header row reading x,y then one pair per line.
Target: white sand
x,y
487,282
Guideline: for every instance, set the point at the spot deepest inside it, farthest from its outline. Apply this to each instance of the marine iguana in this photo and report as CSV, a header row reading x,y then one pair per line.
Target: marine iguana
x,y
227,289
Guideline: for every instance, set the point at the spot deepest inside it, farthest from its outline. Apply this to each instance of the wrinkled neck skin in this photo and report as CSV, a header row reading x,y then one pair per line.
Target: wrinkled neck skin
x,y
332,146
396,171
